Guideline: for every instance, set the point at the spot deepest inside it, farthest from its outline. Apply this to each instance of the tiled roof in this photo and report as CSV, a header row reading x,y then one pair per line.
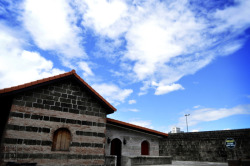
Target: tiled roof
x,y
45,80
143,129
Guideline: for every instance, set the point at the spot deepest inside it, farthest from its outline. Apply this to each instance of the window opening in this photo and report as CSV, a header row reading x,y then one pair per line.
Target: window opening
x,y
145,148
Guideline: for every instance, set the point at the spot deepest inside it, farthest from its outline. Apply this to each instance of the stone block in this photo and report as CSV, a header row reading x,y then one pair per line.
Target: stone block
x,y
49,102
16,114
74,111
54,119
72,97
60,90
66,105
56,108
36,105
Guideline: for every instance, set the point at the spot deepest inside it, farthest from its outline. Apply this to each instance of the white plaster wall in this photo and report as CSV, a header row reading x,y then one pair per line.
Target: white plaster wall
x,y
133,138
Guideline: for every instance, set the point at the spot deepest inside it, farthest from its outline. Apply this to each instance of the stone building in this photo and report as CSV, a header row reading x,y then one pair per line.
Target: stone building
x,y
61,120
130,142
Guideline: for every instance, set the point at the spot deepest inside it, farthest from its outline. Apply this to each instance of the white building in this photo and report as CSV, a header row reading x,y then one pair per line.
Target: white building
x,y
176,130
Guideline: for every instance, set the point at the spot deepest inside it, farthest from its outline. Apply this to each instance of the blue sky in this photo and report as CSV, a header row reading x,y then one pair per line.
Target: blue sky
x,y
155,61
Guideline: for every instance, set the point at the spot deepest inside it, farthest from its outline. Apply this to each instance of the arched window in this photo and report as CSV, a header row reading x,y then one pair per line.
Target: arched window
x,y
145,148
61,140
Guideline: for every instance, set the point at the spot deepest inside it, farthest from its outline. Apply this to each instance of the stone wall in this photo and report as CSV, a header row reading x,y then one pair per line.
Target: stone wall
x,y
110,160
133,141
35,116
150,160
206,146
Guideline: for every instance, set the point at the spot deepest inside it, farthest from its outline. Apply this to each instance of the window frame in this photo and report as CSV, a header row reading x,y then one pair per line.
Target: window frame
x,y
67,137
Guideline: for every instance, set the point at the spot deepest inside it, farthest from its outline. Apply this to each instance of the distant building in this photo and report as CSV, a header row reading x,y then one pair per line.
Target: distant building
x,y
176,130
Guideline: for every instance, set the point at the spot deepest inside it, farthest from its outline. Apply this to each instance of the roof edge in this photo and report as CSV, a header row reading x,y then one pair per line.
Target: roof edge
x,y
147,130
37,82
95,92
25,85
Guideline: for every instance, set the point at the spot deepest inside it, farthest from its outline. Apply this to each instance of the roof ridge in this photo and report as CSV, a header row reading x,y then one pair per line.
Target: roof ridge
x,y
43,80
136,126
17,87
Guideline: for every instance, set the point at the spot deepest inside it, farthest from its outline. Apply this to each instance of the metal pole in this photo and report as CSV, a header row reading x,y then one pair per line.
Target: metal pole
x,y
186,120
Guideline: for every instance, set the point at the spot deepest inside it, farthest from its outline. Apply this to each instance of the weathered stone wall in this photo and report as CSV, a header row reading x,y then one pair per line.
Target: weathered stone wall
x,y
37,114
133,141
150,160
206,146
110,160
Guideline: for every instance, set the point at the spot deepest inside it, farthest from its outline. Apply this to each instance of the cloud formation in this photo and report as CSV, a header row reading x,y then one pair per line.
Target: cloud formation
x,y
85,68
17,65
166,40
133,110
167,88
52,25
112,92
132,101
143,123
212,114
153,43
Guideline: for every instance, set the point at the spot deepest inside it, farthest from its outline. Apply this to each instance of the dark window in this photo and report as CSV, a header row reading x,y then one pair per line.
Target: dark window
x,y
145,148
116,149
61,140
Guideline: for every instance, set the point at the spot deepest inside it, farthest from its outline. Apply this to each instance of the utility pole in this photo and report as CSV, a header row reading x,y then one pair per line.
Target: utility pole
x,y
186,120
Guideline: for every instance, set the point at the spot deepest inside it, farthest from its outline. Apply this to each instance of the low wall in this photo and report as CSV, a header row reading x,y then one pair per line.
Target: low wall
x,y
110,160
206,146
150,160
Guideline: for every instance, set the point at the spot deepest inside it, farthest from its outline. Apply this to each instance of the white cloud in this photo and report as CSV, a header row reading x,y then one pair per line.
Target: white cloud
x,y
105,17
129,110
85,68
112,93
18,66
227,129
165,41
196,106
195,130
52,25
163,89
159,34
143,123
133,110
132,101
144,88
153,41
212,114
230,19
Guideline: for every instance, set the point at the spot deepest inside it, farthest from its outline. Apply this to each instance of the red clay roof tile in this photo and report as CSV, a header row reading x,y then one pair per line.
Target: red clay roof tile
x,y
73,72
136,127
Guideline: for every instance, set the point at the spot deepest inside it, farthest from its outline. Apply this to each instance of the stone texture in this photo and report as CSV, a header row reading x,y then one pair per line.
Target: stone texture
x,y
110,160
149,160
36,114
65,96
206,146
133,141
